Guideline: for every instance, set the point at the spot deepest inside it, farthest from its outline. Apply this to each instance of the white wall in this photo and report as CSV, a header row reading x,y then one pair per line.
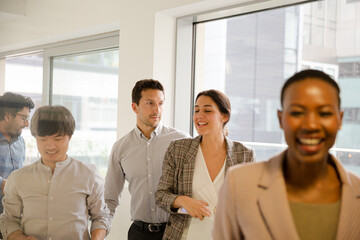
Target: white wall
x,y
147,46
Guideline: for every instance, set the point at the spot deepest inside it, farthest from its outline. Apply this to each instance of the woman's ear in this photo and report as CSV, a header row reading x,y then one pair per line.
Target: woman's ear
x,y
225,118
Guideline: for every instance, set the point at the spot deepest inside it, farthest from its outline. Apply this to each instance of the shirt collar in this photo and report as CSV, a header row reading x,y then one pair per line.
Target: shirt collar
x,y
156,132
61,164
2,138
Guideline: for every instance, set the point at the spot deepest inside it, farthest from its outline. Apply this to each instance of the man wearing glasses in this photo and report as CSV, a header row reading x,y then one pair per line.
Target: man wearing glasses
x,y
14,116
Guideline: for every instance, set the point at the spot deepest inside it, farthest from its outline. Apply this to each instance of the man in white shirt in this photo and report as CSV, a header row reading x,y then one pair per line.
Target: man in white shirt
x,y
137,158
54,197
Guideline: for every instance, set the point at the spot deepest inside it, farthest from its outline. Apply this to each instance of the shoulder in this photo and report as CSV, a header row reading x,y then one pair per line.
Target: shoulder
x,y
354,179
24,170
346,175
82,167
170,131
185,142
182,147
238,146
253,171
128,138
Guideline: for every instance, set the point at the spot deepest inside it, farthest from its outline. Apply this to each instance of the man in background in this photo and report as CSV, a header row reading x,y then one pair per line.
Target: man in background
x,y
14,116
137,158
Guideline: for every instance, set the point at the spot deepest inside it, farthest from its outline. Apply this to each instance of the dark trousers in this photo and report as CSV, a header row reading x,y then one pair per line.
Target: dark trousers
x,y
141,231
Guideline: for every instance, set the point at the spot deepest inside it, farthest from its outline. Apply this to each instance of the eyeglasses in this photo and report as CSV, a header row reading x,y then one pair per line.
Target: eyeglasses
x,y
24,118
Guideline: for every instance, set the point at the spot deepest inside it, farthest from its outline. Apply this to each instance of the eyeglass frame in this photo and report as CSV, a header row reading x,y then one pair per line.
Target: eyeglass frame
x,y
24,118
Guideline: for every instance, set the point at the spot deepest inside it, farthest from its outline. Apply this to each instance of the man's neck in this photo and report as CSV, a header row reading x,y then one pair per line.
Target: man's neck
x,y
146,130
4,132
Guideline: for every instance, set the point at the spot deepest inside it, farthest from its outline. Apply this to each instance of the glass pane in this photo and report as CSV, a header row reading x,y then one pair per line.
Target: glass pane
x,y
249,57
24,75
87,85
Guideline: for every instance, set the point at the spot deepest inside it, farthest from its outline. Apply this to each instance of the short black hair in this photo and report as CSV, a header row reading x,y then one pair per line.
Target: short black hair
x,y
143,85
13,103
50,120
310,73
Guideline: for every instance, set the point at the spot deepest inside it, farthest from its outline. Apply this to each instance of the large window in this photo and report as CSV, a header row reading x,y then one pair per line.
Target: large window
x,y
81,75
24,75
87,85
249,57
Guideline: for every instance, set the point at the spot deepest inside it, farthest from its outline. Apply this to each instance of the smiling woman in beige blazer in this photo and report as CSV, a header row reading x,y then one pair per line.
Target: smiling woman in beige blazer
x,y
303,193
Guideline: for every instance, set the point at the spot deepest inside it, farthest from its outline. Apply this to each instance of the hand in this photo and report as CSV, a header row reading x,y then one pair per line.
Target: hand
x,y
3,186
196,208
98,234
18,235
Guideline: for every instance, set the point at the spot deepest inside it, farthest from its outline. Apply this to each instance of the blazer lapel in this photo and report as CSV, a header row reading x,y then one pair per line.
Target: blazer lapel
x,y
273,203
229,161
349,219
189,164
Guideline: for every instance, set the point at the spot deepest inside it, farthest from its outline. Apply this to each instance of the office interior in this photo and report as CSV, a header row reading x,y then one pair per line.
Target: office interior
x,y
188,45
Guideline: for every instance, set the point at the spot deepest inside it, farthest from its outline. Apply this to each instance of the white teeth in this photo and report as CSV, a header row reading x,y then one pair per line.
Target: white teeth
x,y
310,141
201,123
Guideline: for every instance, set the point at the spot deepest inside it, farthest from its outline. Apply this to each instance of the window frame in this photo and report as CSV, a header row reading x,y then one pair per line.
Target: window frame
x,y
185,53
62,48
185,60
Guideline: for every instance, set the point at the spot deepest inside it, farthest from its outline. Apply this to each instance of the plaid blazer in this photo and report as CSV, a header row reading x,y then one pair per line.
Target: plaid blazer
x,y
177,176
253,204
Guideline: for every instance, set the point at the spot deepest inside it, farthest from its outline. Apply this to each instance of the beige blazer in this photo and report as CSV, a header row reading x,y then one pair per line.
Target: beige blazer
x,y
253,204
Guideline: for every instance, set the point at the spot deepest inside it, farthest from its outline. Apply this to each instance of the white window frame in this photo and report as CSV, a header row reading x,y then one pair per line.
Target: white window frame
x,y
185,46
68,47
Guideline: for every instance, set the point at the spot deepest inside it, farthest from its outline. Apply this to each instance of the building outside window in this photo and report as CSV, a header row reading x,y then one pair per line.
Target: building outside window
x,y
249,57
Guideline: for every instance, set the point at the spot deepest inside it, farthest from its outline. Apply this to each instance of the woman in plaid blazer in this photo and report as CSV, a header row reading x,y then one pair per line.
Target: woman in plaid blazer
x,y
304,192
175,190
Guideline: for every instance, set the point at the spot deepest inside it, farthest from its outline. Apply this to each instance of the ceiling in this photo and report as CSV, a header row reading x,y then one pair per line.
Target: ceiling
x,y
11,9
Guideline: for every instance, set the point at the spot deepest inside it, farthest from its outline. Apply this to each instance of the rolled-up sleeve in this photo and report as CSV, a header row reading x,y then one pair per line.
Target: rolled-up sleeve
x,y
13,207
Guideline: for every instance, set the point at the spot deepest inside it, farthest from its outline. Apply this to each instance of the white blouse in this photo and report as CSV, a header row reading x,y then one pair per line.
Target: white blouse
x,y
206,190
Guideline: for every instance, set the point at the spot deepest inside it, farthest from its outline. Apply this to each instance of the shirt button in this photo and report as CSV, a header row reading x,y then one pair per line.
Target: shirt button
x,y
51,198
150,192
148,159
50,218
50,238
149,175
152,209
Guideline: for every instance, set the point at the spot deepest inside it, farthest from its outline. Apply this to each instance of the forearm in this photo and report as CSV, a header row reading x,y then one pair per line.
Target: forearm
x,y
18,235
179,202
98,234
